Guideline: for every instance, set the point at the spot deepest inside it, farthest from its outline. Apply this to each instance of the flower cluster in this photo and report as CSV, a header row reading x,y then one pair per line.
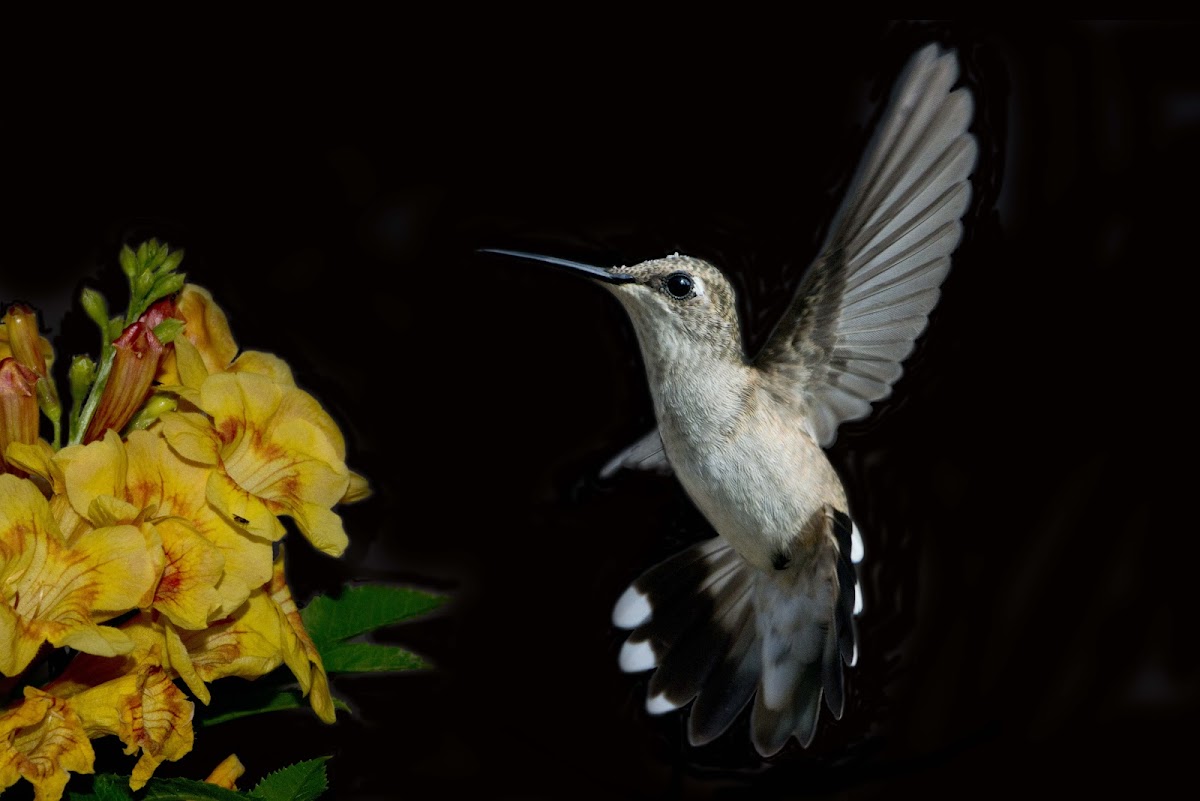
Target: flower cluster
x,y
149,543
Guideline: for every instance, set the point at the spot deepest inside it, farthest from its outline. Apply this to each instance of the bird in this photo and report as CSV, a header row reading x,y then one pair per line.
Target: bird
x,y
763,614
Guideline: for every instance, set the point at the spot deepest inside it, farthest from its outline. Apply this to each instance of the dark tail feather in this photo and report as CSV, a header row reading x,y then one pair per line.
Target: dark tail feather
x,y
718,630
730,686
771,728
683,612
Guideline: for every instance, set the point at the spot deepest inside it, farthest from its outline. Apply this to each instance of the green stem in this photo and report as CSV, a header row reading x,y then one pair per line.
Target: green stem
x,y
80,424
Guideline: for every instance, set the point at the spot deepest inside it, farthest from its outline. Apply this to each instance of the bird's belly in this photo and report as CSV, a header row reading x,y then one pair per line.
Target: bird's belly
x,y
758,493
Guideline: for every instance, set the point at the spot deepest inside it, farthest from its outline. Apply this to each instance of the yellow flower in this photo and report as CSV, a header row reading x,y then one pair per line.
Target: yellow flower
x,y
187,592
211,565
51,591
206,329
249,644
85,671
43,741
307,666
146,711
266,633
278,452
132,696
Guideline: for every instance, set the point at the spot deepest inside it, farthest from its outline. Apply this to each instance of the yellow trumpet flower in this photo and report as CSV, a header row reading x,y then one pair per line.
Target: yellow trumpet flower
x,y
211,564
43,741
51,591
278,452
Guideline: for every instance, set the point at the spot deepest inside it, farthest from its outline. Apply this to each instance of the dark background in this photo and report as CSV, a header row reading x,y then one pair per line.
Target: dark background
x,y
1029,622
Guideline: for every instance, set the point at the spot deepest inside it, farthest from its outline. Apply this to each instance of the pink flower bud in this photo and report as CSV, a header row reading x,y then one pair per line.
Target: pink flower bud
x,y
160,311
138,353
23,337
18,408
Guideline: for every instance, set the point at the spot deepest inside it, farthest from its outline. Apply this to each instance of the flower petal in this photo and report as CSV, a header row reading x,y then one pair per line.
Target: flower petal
x,y
187,592
227,773
93,639
92,470
273,367
160,722
322,527
250,644
311,675
207,327
159,477
37,459
51,591
243,508
146,711
191,367
357,490
181,662
43,741
191,436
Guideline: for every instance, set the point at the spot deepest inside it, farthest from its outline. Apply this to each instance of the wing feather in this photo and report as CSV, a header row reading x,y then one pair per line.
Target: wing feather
x,y
645,454
868,295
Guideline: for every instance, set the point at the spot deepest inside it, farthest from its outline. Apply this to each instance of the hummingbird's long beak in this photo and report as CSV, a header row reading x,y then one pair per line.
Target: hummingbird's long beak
x,y
599,273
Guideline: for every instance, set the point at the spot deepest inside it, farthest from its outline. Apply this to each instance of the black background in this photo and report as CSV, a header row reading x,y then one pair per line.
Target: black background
x,y
1029,621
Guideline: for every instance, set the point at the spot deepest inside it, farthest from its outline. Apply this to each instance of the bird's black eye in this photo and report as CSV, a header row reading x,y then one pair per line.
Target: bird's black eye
x,y
680,285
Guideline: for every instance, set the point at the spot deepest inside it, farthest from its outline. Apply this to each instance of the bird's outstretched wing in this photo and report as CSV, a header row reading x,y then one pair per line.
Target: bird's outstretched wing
x,y
866,298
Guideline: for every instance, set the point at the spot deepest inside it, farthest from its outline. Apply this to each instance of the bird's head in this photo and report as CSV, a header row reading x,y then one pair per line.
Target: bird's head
x,y
677,303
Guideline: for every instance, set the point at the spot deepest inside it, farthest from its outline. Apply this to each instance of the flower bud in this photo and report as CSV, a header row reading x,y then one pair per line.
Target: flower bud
x,y
18,408
22,327
137,354
160,311
81,375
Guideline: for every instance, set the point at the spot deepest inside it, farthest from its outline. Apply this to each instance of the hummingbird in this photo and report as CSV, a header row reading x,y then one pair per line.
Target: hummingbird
x,y
764,612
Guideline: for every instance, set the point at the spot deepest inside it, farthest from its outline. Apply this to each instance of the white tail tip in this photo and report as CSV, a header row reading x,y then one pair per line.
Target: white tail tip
x,y
659,705
636,656
856,545
632,609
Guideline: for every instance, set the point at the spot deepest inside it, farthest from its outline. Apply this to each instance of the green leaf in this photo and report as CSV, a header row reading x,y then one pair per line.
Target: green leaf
x,y
364,657
258,701
303,781
106,787
188,790
361,609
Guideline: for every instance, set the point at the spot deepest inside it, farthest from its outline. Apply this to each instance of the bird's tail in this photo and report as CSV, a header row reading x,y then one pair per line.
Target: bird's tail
x,y
721,632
